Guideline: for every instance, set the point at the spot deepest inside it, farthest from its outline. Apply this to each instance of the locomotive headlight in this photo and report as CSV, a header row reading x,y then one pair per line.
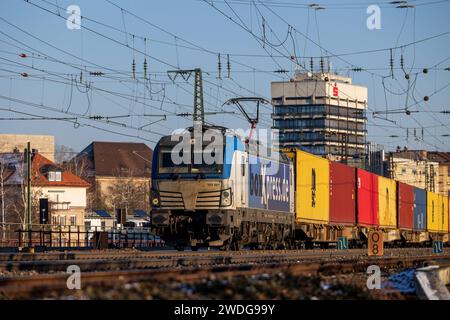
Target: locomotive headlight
x,y
155,199
225,199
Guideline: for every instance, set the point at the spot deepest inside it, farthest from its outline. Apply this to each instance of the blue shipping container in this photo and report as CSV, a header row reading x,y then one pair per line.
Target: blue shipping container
x,y
420,209
269,184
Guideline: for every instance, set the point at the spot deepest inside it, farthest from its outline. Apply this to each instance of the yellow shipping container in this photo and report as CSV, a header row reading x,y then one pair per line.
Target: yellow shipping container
x,y
443,212
312,188
433,212
387,204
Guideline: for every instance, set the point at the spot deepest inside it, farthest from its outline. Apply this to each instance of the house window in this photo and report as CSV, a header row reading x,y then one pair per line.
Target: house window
x,y
54,176
54,220
62,220
73,220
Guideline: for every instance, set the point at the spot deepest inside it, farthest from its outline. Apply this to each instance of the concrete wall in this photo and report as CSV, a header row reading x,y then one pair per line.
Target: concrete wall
x,y
45,144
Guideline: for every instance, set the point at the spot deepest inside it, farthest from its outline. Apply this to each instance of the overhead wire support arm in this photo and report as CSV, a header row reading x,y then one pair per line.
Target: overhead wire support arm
x,y
252,120
163,118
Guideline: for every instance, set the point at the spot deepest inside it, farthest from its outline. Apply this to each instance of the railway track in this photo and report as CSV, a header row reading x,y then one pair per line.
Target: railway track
x,y
195,266
104,261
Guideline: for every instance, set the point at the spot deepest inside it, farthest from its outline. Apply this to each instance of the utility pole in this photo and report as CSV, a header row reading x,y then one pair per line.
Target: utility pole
x,y
198,97
28,160
2,177
199,108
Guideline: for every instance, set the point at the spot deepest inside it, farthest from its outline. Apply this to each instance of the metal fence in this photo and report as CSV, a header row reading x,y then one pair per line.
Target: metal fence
x,y
14,235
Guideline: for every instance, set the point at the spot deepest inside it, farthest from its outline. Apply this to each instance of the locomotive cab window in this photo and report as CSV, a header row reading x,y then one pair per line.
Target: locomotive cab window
x,y
166,163
197,162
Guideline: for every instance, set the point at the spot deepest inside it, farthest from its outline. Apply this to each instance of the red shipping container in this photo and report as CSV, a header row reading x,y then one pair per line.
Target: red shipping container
x,y
405,206
367,198
342,194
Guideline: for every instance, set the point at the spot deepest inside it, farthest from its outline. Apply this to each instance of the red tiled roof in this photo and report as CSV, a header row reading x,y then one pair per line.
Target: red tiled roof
x,y
39,178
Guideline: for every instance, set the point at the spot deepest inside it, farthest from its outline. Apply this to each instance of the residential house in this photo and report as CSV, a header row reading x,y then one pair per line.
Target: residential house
x,y
120,175
66,192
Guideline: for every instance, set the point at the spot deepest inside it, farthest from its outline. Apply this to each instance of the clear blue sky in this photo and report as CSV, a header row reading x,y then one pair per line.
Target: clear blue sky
x,y
339,28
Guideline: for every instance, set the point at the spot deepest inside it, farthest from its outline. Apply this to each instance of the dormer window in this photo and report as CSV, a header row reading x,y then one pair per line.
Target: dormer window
x,y
54,176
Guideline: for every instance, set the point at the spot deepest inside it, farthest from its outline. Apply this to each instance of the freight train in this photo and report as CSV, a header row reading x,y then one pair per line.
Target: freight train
x,y
260,198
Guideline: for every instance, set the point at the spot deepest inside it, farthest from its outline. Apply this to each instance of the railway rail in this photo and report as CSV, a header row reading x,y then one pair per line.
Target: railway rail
x,y
103,261
193,266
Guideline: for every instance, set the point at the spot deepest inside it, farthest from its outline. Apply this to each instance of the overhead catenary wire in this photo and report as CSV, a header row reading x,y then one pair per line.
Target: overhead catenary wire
x,y
230,2
114,40
61,49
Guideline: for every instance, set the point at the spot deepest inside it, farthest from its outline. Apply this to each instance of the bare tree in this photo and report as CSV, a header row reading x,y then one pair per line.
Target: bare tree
x,y
16,198
127,194
13,195
78,165
63,153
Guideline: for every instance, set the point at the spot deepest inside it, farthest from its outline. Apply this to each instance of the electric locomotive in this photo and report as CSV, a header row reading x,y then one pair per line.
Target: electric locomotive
x,y
243,198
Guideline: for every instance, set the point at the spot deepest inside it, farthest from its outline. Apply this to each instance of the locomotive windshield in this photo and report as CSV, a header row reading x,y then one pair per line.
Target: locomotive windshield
x,y
167,165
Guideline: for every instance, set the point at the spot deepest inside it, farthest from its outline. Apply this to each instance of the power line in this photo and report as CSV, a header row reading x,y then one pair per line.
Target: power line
x,y
120,43
329,6
77,125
